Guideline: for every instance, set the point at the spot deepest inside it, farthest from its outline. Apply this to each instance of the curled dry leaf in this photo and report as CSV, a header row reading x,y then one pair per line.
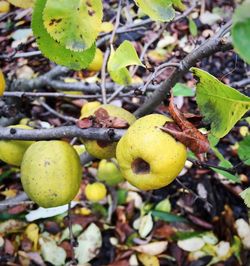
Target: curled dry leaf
x,y
185,132
101,118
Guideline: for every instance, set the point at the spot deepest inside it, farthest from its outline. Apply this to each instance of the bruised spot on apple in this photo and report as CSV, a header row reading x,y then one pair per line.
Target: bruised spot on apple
x,y
148,157
139,166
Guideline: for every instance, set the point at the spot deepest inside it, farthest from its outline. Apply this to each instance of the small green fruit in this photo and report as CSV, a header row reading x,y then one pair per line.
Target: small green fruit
x,y
12,151
95,192
104,149
51,173
109,172
148,157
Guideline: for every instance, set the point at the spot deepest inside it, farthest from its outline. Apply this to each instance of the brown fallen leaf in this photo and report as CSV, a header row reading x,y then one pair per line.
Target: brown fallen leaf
x,y
120,263
185,132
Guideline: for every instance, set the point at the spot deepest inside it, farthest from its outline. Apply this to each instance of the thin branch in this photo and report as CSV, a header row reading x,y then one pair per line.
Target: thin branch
x,y
103,76
54,112
117,22
12,201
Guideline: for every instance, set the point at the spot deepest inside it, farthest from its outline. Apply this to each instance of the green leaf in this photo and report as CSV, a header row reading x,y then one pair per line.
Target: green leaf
x,y
221,105
181,89
246,196
229,176
52,49
241,31
75,24
168,217
125,55
192,27
179,5
159,10
244,150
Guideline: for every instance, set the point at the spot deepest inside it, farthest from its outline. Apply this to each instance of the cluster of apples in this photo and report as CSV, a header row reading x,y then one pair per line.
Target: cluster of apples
x,y
51,172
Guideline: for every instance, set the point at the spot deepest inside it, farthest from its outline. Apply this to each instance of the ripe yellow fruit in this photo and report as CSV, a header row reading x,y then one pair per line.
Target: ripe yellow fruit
x,y
101,149
12,151
51,173
95,192
109,172
88,107
2,80
4,7
148,157
96,64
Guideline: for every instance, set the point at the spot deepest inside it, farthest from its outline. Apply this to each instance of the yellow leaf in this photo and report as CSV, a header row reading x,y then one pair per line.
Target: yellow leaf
x,y
107,27
4,7
2,83
22,3
9,193
32,233
148,260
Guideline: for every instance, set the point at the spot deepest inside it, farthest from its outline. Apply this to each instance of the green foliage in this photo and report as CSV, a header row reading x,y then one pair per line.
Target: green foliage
x,y
179,5
74,24
244,150
52,49
221,105
159,10
192,27
168,217
241,31
125,55
246,196
181,89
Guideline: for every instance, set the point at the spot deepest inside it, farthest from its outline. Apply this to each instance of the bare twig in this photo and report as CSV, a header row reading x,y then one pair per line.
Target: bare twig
x,y
54,112
12,201
103,76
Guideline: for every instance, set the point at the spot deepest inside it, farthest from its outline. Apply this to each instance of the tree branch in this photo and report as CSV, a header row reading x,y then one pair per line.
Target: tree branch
x,y
211,46
106,134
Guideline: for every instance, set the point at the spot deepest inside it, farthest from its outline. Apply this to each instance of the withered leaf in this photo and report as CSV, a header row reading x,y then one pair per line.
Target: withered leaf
x,y
185,132
84,123
101,114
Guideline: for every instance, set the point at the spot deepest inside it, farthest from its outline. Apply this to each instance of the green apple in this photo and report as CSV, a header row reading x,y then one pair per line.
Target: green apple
x,y
148,157
104,149
109,172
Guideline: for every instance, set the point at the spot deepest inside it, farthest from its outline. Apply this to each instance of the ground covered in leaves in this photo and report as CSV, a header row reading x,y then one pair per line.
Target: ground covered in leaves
x,y
197,220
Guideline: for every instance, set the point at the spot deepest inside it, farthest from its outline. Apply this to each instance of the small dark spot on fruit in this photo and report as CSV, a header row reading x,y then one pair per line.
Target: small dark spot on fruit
x,y
12,131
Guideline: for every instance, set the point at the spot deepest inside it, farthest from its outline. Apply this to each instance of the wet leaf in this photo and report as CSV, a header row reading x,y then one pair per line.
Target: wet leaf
x,y
89,243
